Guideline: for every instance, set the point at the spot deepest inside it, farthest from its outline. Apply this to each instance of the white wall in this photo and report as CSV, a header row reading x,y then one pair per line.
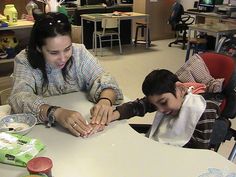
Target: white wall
x,y
188,4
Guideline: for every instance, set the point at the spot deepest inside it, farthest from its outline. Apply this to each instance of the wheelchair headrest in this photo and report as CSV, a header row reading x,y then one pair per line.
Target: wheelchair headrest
x,y
223,66
219,66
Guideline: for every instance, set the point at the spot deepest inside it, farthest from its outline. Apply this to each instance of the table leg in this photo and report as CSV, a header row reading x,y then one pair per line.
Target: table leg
x,y
147,31
131,32
82,30
217,40
95,37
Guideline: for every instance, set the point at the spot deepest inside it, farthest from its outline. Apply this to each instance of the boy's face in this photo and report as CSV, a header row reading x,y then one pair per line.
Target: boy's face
x,y
168,103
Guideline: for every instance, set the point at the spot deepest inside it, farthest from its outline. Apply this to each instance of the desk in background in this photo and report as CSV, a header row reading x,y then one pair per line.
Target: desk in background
x,y
205,17
125,25
118,151
217,30
95,18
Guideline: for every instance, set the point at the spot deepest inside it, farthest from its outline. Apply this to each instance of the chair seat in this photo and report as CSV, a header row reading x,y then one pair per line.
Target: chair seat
x,y
141,23
108,32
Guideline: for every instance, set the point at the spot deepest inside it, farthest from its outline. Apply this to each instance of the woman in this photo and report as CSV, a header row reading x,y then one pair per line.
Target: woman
x,y
53,65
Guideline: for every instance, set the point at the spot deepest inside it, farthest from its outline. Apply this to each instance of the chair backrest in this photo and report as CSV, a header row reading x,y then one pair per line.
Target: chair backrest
x,y
177,12
4,94
223,66
110,23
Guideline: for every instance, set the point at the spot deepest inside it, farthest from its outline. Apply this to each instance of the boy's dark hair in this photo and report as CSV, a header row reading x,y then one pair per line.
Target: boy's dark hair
x,y
46,26
158,82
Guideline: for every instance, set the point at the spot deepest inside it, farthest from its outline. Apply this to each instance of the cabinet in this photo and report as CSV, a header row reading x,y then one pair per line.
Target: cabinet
x,y
159,12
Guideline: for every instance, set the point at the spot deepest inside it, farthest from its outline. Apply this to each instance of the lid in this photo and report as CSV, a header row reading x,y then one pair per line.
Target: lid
x,y
39,165
9,5
34,176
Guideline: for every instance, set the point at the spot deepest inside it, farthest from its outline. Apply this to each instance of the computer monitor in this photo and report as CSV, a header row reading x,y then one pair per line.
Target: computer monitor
x,y
207,5
219,2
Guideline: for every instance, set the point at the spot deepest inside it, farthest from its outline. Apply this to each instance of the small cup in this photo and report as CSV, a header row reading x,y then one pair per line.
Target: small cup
x,y
40,165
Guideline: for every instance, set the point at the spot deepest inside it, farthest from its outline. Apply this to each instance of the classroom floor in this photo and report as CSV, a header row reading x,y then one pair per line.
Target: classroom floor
x,y
135,63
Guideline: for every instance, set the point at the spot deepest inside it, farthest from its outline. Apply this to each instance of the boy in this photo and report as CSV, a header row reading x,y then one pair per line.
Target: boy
x,y
183,118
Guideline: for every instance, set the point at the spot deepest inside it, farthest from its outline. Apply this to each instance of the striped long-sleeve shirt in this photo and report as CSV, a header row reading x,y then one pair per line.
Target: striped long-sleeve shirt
x,y
201,136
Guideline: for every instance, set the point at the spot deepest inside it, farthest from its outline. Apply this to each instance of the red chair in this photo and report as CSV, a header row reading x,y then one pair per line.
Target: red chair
x,y
223,66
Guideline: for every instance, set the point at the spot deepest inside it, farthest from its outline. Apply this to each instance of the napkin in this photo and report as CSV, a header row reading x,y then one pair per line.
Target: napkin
x,y
17,150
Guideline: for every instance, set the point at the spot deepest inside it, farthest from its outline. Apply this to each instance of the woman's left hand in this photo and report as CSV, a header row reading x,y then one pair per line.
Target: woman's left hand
x,y
101,112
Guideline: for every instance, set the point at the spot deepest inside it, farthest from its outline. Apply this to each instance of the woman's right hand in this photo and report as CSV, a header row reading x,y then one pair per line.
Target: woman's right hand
x,y
73,121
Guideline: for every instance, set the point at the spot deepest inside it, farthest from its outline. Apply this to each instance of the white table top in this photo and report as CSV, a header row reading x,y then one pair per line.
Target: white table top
x,y
118,151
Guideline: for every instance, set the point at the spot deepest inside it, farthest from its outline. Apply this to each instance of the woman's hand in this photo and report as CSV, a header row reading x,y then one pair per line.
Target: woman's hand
x,y
101,113
73,121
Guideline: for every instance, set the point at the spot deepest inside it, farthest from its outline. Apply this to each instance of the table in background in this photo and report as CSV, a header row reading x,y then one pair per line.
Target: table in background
x,y
203,17
217,29
118,151
95,18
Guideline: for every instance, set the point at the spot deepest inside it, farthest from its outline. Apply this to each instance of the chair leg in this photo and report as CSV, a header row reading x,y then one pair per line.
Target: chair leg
x,y
149,38
142,30
93,42
188,52
184,39
100,41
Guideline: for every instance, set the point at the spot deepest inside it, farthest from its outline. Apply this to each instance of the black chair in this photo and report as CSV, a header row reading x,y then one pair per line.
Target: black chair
x,y
179,23
223,66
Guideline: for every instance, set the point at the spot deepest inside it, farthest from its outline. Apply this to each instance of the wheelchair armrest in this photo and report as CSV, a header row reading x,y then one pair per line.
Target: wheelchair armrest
x,y
141,128
230,107
219,133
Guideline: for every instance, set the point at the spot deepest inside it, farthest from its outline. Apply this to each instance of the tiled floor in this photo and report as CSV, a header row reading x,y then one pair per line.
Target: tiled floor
x,y
135,63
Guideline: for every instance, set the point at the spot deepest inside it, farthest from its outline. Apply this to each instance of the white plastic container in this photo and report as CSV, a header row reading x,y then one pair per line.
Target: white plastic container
x,y
11,14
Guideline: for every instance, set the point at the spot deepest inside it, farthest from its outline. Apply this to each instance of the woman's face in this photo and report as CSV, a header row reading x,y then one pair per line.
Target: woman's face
x,y
57,50
168,103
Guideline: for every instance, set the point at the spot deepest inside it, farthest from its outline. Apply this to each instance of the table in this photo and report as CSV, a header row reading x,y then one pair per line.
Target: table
x,y
21,24
124,16
217,29
201,16
118,151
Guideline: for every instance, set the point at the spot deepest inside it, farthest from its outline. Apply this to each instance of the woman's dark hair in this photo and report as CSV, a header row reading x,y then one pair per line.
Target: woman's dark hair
x,y
158,82
46,26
